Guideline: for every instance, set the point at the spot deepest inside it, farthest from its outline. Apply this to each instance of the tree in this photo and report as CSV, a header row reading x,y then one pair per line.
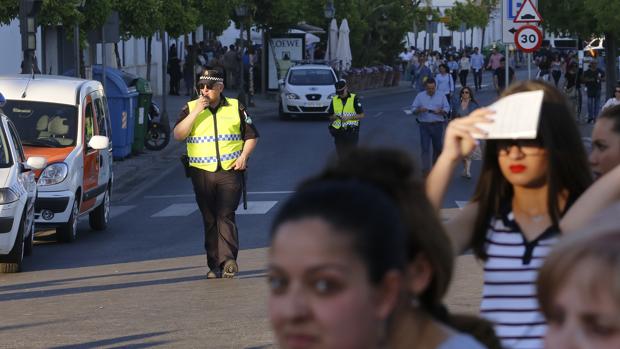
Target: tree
x,y
587,18
9,9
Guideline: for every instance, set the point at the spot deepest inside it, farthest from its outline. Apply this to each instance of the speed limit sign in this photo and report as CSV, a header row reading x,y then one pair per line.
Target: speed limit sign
x,y
528,38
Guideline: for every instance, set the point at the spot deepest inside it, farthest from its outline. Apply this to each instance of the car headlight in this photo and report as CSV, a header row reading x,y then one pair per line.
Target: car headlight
x,y
331,96
7,196
54,174
291,96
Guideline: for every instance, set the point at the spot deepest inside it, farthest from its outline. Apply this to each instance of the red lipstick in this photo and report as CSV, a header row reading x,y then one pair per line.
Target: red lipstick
x,y
517,168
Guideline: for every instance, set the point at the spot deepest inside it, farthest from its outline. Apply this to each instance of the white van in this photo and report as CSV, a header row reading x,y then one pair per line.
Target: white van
x,y
66,120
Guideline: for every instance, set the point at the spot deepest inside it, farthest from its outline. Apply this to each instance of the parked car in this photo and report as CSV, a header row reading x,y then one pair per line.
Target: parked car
x,y
18,190
307,90
67,121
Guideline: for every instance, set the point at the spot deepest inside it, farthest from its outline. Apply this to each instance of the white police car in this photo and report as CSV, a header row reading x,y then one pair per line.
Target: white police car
x,y
307,90
18,191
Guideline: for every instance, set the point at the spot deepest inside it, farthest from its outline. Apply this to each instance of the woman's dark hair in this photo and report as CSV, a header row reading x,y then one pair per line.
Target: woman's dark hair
x,y
358,211
393,172
568,169
613,114
444,66
471,93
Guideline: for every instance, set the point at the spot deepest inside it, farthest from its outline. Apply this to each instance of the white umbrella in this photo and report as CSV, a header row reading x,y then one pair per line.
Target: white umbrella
x,y
343,52
332,41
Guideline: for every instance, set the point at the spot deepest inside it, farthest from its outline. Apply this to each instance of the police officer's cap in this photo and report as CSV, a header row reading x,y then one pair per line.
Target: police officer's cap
x,y
210,77
340,85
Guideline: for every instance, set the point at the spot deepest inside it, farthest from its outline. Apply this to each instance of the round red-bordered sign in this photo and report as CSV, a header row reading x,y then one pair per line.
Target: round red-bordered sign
x,y
528,38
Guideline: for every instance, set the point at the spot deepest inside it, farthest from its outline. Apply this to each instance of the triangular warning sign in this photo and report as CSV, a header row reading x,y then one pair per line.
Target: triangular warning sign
x,y
528,13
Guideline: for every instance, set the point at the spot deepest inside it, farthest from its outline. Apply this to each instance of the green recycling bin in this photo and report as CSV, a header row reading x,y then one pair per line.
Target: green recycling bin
x,y
145,94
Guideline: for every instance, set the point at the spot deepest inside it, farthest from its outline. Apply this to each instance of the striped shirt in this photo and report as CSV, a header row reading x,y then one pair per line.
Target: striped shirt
x,y
509,292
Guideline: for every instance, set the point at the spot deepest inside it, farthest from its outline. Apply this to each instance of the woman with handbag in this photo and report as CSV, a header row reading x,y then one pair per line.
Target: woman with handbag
x,y
467,104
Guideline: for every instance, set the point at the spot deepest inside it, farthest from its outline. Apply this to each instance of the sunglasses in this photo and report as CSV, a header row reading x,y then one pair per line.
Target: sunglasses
x,y
525,146
465,92
209,84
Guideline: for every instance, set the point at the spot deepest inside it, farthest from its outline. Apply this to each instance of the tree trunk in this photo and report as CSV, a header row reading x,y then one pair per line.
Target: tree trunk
x,y
118,56
471,39
149,41
484,30
611,67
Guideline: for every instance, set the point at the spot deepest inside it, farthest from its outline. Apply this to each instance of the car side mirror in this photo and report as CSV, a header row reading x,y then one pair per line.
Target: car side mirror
x,y
36,163
99,142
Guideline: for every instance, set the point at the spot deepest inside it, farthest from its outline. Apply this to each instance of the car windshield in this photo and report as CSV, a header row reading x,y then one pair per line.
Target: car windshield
x,y
311,77
43,124
5,150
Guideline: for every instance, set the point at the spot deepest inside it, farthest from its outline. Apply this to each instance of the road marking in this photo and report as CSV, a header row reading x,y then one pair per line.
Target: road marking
x,y
461,204
116,211
177,210
256,207
378,114
181,196
184,210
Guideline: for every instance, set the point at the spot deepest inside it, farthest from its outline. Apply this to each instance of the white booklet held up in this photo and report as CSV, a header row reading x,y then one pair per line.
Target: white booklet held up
x,y
516,117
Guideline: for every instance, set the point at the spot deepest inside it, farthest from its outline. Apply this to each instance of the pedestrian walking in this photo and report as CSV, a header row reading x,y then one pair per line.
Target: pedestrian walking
x,y
477,64
220,137
174,70
335,266
572,89
431,110
346,112
605,153
421,73
524,188
494,60
453,67
464,67
499,76
445,83
466,105
593,78
556,69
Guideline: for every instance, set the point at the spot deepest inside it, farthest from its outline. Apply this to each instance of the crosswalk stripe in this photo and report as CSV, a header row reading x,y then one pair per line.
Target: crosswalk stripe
x,y
256,207
177,210
181,196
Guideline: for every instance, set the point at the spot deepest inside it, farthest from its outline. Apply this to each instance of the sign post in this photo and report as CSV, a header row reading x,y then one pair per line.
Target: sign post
x,y
528,38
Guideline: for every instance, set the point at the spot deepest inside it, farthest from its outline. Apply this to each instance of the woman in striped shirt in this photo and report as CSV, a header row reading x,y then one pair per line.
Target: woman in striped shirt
x,y
514,217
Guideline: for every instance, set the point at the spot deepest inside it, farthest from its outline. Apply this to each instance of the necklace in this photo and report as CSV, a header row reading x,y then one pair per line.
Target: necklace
x,y
535,218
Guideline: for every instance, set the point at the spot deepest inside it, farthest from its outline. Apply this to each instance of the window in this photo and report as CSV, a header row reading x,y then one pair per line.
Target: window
x,y
43,124
89,121
101,118
5,151
311,77
18,142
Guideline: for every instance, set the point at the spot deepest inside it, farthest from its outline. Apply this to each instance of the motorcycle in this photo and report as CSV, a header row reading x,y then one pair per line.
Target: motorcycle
x,y
157,134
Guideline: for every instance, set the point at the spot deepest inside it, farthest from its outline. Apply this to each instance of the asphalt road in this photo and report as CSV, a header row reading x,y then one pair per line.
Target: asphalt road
x,y
141,282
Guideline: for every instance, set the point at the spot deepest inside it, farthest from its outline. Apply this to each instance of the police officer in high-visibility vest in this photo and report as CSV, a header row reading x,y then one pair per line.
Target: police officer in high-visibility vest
x,y
346,111
220,137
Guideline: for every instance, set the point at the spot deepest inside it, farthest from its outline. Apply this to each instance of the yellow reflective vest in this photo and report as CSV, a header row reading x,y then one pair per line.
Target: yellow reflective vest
x,y
214,140
344,110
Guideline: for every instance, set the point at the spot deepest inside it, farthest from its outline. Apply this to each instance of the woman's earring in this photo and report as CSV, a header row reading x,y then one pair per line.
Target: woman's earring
x,y
414,301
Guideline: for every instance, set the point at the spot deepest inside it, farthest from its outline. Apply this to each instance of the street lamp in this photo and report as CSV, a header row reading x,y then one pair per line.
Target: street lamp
x,y
28,9
241,11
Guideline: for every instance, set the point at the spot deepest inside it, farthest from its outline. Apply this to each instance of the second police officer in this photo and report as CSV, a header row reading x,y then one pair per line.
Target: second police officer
x,y
220,137
346,111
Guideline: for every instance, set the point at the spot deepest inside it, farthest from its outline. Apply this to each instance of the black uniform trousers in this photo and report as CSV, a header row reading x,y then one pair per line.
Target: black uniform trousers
x,y
346,141
218,194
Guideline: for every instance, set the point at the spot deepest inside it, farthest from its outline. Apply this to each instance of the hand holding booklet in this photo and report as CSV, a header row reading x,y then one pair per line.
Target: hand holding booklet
x,y
516,117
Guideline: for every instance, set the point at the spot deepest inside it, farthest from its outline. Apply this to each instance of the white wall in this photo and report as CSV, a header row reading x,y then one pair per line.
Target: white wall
x,y
12,55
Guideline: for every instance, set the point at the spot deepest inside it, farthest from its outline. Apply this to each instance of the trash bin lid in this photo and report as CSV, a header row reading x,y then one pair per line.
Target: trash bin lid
x,y
116,85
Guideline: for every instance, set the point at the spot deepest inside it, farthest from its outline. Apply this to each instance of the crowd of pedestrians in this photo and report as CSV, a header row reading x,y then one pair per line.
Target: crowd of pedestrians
x,y
211,55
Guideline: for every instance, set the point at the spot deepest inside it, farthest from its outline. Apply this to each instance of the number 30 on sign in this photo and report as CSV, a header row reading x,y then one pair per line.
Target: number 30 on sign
x,y
528,38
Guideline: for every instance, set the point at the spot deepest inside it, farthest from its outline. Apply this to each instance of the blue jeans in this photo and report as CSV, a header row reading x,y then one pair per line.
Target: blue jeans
x,y
430,133
593,106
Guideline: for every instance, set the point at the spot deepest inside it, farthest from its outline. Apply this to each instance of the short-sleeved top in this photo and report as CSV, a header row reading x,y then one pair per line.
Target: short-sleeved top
x,y
356,104
509,291
248,129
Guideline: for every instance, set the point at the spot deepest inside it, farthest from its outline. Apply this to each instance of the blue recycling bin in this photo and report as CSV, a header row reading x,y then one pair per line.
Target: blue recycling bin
x,y
122,102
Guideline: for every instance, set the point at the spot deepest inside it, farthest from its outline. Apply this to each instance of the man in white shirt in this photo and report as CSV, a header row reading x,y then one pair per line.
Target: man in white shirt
x,y
477,64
